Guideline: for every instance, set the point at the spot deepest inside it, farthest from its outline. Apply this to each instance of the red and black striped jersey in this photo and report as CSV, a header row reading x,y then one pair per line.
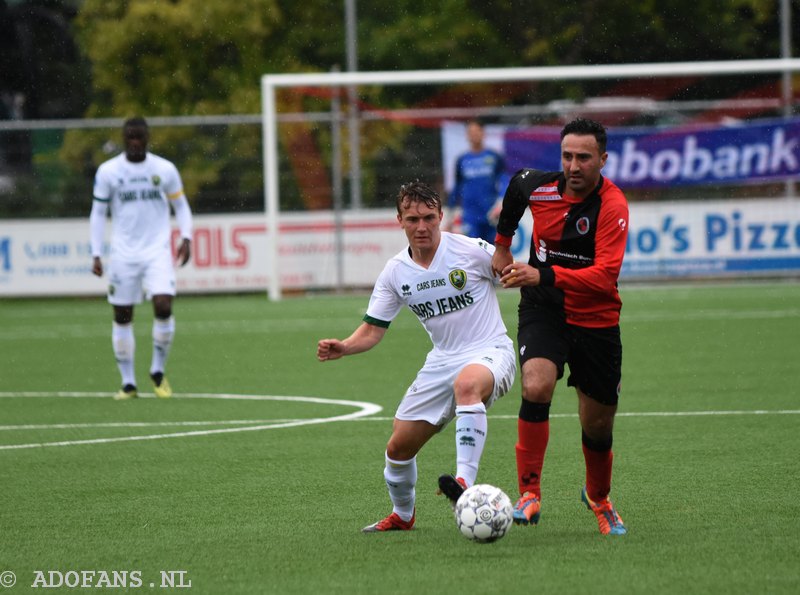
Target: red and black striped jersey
x,y
577,244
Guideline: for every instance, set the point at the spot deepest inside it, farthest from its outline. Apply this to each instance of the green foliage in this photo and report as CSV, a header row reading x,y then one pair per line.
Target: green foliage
x,y
407,35
617,31
205,57
188,57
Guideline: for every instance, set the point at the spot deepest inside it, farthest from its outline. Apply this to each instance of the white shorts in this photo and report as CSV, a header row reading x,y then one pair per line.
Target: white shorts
x,y
130,282
430,397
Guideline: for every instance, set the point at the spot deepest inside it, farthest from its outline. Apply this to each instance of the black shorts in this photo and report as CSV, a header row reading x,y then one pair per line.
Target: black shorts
x,y
594,355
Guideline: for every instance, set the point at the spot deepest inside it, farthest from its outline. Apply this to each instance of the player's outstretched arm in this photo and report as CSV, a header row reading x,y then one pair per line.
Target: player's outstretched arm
x,y
365,337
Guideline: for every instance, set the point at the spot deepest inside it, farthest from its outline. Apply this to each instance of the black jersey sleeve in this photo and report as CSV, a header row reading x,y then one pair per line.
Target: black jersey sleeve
x,y
515,202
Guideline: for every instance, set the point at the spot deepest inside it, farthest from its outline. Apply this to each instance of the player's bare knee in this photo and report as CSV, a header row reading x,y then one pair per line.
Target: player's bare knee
x,y
539,379
537,391
123,314
162,306
467,392
598,428
400,452
473,385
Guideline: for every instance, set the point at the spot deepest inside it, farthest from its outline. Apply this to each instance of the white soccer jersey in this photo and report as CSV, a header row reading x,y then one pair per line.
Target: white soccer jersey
x,y
454,298
139,196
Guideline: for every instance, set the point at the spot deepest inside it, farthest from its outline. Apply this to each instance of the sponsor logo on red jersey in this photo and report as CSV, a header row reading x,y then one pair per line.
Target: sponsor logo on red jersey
x,y
545,193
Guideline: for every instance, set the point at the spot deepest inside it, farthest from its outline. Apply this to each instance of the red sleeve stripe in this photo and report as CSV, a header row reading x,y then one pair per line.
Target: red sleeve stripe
x,y
501,240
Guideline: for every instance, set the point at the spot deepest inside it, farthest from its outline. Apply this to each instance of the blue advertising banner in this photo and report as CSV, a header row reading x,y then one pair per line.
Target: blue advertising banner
x,y
710,238
750,152
666,240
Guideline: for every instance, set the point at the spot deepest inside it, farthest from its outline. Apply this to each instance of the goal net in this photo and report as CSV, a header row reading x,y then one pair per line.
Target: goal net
x,y
339,145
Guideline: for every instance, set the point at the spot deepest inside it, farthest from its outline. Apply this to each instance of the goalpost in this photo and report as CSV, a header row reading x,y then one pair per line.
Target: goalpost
x,y
271,82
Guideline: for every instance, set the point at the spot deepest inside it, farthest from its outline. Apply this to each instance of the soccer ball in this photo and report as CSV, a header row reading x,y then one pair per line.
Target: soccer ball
x,y
483,513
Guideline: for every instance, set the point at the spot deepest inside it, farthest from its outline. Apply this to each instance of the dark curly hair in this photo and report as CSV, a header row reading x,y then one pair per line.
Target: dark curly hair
x,y
584,126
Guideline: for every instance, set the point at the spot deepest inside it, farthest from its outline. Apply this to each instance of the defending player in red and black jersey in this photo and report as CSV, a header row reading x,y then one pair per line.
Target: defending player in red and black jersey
x,y
569,310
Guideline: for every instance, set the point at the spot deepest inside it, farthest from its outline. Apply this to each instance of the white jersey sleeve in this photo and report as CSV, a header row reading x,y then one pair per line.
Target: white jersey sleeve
x,y
103,182
384,303
97,226
183,215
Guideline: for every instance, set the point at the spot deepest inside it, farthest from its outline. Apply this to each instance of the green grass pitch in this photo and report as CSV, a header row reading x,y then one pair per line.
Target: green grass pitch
x,y
247,494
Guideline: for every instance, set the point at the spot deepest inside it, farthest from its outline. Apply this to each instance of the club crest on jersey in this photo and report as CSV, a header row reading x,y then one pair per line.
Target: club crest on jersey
x,y
156,180
583,225
458,278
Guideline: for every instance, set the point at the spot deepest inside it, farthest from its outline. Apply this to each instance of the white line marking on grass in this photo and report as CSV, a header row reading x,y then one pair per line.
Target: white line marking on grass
x,y
144,424
366,412
364,409
644,414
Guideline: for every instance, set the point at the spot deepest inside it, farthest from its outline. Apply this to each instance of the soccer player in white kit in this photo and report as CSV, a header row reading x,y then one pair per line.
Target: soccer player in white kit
x,y
446,280
139,188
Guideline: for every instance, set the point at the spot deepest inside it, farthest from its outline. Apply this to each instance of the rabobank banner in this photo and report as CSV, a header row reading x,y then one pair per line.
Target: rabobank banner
x,y
749,152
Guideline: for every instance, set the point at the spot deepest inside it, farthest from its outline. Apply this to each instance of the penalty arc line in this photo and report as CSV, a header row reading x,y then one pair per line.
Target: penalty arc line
x,y
365,409
366,413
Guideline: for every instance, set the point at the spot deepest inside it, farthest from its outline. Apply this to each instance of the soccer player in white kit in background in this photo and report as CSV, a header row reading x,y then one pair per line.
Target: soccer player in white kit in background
x,y
446,280
139,187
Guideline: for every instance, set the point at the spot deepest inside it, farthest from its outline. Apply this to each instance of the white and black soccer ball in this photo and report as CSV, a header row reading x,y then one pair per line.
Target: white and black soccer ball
x,y
483,513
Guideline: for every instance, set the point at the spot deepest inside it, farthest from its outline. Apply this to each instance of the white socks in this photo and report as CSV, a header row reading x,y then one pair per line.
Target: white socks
x,y
124,344
401,477
471,427
163,332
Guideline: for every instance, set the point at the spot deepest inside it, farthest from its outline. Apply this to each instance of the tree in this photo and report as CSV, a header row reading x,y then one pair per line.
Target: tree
x,y
197,57
40,61
617,31
188,57
42,75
